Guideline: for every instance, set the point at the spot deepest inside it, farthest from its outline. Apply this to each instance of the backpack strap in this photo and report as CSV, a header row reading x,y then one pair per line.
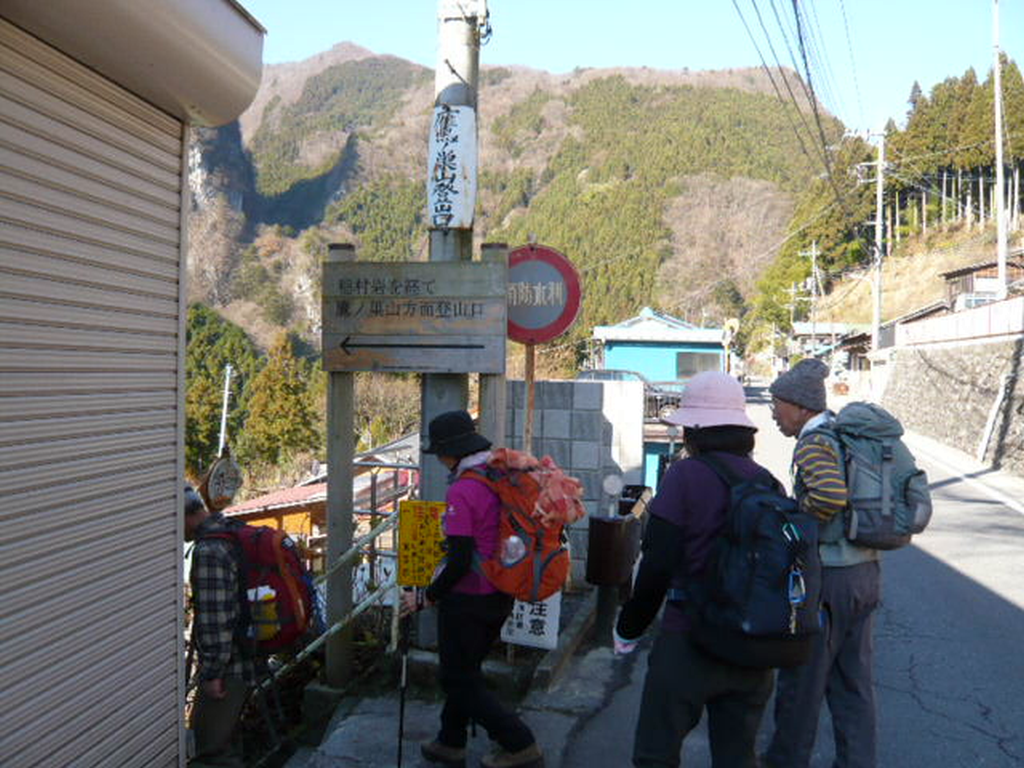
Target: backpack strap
x,y
489,477
730,477
888,459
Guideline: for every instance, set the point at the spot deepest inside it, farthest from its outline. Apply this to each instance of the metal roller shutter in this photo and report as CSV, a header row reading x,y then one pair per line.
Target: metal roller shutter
x,y
91,424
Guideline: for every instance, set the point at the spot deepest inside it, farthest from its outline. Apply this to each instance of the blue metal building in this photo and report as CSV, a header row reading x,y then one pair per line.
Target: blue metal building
x,y
664,349
661,347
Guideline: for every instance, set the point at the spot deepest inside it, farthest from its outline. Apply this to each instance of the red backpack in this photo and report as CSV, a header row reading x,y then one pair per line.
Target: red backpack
x,y
531,561
276,593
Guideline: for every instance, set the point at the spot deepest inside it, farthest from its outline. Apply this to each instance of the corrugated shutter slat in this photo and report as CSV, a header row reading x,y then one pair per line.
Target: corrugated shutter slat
x,y
90,425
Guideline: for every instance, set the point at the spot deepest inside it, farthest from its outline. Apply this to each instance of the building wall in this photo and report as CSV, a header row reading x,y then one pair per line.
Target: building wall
x,y
655,360
91,417
953,393
591,430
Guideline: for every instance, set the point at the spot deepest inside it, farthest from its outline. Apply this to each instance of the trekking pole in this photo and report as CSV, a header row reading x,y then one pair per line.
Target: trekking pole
x,y
403,648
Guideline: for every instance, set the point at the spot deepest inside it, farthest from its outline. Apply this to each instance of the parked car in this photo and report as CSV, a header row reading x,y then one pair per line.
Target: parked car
x,y
660,397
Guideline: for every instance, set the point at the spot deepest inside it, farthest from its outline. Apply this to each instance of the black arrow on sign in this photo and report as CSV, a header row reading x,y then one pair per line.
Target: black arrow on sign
x,y
346,345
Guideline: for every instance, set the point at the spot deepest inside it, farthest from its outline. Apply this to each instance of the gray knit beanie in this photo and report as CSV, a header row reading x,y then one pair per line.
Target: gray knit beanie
x,y
803,384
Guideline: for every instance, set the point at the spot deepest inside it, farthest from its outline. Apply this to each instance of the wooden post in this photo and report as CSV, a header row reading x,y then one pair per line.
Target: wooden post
x,y
340,455
493,392
528,420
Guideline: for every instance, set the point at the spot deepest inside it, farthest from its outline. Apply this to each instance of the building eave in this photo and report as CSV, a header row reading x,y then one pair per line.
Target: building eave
x,y
198,60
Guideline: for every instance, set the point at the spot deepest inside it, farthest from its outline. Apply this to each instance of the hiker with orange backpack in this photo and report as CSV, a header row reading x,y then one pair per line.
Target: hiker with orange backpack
x,y
471,610
226,671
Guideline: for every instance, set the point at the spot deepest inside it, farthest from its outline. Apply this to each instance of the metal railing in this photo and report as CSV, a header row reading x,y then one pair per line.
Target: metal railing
x,y
365,546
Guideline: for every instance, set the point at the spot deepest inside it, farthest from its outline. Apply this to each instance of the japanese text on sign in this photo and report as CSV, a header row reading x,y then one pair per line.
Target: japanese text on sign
x,y
451,182
534,624
550,294
442,308
382,286
419,541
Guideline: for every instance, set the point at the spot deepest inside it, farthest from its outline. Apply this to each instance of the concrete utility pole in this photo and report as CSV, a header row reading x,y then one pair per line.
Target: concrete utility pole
x,y
1001,246
813,253
876,319
455,84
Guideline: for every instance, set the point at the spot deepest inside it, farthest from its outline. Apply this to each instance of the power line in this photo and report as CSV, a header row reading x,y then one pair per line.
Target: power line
x,y
778,93
814,108
853,65
809,91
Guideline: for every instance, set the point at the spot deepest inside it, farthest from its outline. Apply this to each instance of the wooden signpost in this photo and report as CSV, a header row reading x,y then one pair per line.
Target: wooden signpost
x,y
425,317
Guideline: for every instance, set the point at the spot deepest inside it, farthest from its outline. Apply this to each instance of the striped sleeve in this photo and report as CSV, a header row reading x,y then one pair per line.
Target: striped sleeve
x,y
822,475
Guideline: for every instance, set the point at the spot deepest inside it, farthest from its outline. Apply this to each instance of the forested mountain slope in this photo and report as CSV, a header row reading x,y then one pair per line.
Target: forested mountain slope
x,y
664,188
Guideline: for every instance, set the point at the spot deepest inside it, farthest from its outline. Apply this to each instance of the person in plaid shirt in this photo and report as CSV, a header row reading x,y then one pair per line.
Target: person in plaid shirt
x,y
226,671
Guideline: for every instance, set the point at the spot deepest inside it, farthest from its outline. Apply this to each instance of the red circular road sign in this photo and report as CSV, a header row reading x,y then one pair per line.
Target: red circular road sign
x,y
543,294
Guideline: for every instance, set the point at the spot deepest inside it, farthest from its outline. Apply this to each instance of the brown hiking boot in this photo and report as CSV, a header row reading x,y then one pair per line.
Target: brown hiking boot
x,y
436,752
529,757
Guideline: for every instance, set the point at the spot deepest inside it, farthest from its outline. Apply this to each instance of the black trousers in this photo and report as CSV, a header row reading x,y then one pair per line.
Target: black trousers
x,y
681,683
467,626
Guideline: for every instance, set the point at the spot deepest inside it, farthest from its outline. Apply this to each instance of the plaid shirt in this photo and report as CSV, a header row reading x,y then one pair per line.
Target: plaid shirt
x,y
215,604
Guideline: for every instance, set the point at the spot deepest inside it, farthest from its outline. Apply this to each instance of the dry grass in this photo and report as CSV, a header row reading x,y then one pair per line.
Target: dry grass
x,y
910,277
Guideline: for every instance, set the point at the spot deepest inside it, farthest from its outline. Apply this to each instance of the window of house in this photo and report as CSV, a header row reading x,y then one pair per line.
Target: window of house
x,y
691,363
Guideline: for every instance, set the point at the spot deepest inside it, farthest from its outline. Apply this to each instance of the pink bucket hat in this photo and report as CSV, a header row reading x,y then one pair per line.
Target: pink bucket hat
x,y
712,399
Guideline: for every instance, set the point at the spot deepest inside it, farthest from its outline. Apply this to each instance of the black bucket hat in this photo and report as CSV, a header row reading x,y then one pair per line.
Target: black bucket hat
x,y
454,434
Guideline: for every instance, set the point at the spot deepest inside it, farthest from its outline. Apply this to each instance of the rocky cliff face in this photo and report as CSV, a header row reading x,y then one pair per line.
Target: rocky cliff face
x,y
274,186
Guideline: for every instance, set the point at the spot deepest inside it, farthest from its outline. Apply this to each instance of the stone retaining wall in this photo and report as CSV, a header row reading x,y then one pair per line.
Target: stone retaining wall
x,y
950,393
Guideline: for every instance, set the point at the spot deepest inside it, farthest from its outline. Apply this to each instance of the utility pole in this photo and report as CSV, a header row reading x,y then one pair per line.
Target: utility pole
x,y
455,85
813,253
876,319
1001,247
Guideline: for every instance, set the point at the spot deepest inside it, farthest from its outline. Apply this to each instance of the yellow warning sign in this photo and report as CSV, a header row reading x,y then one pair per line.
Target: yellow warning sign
x,y
419,541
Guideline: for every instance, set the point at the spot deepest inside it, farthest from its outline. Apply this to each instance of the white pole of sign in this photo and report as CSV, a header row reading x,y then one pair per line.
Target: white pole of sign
x,y
224,410
528,420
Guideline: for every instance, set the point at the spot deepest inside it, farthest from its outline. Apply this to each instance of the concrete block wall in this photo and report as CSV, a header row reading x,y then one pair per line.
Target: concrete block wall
x,y
950,393
591,430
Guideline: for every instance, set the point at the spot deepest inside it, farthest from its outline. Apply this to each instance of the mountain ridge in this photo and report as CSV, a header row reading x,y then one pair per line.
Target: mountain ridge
x,y
334,136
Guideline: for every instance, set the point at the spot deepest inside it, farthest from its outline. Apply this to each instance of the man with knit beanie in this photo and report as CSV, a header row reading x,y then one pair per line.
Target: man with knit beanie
x,y
840,668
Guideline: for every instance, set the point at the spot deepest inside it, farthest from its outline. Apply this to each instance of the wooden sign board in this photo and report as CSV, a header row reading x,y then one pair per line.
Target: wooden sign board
x,y
419,541
422,316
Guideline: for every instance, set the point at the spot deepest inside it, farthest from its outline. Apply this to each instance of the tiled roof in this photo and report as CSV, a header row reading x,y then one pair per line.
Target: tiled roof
x,y
282,499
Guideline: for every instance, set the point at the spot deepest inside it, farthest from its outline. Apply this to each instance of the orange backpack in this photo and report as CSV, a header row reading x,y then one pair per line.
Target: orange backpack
x,y
538,500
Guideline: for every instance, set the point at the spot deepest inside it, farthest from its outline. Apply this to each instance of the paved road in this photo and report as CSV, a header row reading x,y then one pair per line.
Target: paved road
x,y
949,673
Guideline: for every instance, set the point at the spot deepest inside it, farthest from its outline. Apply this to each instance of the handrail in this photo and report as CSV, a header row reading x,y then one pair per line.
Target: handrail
x,y
390,522
355,549
330,631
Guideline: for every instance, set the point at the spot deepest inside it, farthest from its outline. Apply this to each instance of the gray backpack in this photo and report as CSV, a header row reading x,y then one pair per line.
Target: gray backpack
x,y
889,496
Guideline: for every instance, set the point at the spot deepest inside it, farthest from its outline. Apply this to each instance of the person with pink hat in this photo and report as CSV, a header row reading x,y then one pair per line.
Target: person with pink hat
x,y
686,518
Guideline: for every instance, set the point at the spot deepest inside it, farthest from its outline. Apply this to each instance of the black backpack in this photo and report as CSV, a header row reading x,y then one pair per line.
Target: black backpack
x,y
757,604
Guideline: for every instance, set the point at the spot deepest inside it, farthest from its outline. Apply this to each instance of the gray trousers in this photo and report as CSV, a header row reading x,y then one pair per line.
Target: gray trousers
x,y
840,671
681,683
214,722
